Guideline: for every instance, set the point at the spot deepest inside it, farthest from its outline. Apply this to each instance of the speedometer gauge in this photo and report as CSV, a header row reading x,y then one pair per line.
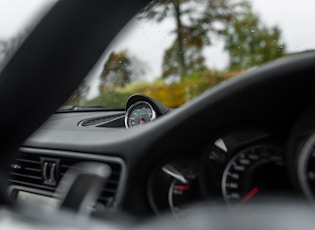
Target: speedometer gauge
x,y
139,114
255,172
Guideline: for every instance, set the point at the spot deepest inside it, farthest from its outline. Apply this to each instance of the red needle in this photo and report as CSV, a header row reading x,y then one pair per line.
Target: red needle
x,y
251,193
182,187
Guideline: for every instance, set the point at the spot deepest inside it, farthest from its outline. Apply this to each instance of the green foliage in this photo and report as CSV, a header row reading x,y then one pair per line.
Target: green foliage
x,y
250,43
184,75
194,60
194,29
172,94
116,72
110,99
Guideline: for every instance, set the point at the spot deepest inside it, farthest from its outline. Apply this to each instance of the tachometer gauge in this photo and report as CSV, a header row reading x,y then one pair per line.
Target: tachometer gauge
x,y
253,173
246,166
139,114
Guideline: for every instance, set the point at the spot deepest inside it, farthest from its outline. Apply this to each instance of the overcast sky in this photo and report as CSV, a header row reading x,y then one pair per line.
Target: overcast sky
x,y
15,15
294,17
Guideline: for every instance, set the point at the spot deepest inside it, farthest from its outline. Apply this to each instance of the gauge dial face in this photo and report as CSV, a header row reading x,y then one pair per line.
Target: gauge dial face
x,y
139,114
181,193
254,173
173,187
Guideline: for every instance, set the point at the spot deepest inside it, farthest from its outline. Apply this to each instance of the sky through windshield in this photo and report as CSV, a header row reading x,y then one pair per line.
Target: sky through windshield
x,y
150,39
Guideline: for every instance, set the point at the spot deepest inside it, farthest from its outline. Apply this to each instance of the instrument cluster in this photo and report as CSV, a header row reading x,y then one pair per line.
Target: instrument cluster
x,y
241,167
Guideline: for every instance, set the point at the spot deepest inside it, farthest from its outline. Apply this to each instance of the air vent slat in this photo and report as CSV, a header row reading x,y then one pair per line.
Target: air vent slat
x,y
108,190
26,176
32,169
28,161
104,199
31,185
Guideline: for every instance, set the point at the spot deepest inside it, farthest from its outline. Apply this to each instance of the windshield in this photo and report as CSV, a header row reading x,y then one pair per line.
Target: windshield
x,y
174,50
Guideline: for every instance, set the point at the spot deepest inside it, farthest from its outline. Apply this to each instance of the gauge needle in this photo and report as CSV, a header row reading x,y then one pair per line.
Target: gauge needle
x,y
142,121
173,172
182,187
250,194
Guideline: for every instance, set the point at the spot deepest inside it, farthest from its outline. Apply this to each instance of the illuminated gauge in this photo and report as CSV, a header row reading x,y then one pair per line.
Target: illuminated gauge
x,y
139,114
254,173
306,168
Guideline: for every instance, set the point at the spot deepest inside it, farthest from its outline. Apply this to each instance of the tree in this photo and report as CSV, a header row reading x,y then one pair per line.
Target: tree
x,y
193,56
119,70
194,28
116,72
159,10
250,43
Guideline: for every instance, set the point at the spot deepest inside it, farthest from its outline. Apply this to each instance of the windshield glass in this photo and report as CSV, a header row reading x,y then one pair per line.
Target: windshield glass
x,y
174,50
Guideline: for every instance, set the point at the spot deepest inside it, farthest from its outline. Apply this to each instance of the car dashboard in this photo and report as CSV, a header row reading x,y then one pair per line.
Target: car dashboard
x,y
246,140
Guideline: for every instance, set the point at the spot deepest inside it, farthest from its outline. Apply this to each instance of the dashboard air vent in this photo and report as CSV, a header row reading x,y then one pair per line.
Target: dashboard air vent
x,y
99,121
26,170
39,171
